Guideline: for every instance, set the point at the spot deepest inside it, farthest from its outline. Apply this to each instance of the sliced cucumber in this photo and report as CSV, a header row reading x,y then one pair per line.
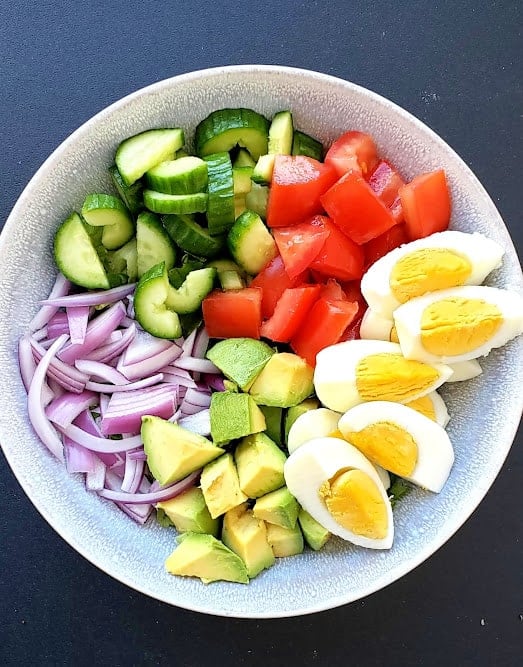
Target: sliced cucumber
x,y
125,260
256,200
138,154
220,205
181,153
303,144
241,177
239,205
109,212
182,176
192,237
222,130
179,273
153,244
243,159
159,202
131,195
262,172
229,273
75,255
189,296
281,134
250,242
150,307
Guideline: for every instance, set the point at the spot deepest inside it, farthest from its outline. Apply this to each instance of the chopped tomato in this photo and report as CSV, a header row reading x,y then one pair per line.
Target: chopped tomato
x,y
352,292
297,184
273,281
386,181
290,312
300,244
332,290
384,243
340,257
356,209
233,313
352,332
426,204
325,323
353,151
397,210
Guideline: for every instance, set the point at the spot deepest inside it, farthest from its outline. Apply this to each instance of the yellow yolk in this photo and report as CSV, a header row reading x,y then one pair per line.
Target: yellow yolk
x,y
457,326
391,377
393,336
388,445
428,270
423,405
336,434
356,503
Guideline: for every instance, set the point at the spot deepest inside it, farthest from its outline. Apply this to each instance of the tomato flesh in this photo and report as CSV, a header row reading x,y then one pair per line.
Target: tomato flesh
x,y
233,313
426,204
300,244
353,151
273,280
381,245
296,187
340,257
290,312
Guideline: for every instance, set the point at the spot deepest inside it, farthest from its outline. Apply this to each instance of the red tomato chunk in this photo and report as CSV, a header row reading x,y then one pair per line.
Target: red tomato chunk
x,y
353,151
290,312
234,313
300,244
340,257
426,204
273,281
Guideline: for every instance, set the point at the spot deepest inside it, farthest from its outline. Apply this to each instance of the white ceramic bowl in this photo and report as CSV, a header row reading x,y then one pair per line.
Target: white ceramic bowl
x,y
485,411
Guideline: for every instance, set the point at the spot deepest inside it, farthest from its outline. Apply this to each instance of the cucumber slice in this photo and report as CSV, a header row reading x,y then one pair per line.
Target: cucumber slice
x,y
125,260
179,273
281,134
241,177
137,154
75,255
222,130
150,307
130,195
159,202
181,153
262,172
303,144
229,273
243,159
109,212
192,237
182,176
256,200
250,242
153,244
220,205
239,205
189,296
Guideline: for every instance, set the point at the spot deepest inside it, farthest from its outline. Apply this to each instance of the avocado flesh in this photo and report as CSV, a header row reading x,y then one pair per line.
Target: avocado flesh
x,y
314,533
296,411
220,486
260,463
285,380
233,416
279,507
273,422
285,541
189,513
240,359
246,535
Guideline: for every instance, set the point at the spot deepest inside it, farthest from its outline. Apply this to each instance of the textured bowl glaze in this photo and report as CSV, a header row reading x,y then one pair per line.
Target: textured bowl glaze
x,y
485,412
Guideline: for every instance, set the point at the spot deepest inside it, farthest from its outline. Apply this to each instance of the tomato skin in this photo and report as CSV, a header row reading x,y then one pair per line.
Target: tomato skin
x,y
384,243
290,312
340,257
385,180
426,204
297,184
273,280
233,313
300,244
353,151
356,209
324,325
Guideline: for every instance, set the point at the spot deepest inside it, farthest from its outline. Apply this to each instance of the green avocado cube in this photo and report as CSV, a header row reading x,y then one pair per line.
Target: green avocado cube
x,y
260,465
286,380
240,359
220,486
285,541
273,422
314,533
189,513
233,416
247,536
279,507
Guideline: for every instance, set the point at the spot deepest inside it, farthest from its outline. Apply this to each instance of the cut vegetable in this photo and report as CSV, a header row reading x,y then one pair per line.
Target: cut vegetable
x,y
131,195
185,175
191,236
159,202
143,151
151,295
153,244
222,130
257,198
303,144
220,204
281,134
262,172
100,210
189,296
233,313
250,242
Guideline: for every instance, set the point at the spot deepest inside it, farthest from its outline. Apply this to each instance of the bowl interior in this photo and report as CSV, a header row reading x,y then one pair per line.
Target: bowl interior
x,y
484,412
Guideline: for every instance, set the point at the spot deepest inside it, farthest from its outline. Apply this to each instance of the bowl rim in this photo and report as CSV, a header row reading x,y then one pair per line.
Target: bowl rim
x,y
473,499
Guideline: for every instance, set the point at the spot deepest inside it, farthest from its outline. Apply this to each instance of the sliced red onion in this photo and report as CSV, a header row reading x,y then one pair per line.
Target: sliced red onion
x,y
127,322
66,375
102,445
110,351
42,334
196,365
104,404
26,361
214,381
78,458
144,346
61,287
37,416
201,399
98,371
165,493
57,325
133,474
127,417
201,343
178,376
137,454
64,409
95,479
139,513
86,422
77,319
146,367
98,298
116,388
199,423
56,388
188,343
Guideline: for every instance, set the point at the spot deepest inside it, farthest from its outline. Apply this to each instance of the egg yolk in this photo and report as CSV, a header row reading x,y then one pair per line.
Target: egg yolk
x,y
423,405
428,270
355,502
391,377
388,445
393,336
456,325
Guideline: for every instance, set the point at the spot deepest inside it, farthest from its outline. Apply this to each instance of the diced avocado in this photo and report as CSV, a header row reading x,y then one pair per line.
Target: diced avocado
x,y
285,541
230,386
234,415
260,465
314,533
189,513
240,359
285,380
273,422
279,507
220,486
298,410
247,536
204,556
174,452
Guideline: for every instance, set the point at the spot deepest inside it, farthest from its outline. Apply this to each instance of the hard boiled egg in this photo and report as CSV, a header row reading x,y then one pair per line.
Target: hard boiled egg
x,y
458,324
312,424
402,441
339,487
432,406
465,370
356,371
440,261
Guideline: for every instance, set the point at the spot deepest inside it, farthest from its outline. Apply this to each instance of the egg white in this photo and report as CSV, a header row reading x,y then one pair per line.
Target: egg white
x,y
319,460
465,370
375,326
312,424
440,409
483,254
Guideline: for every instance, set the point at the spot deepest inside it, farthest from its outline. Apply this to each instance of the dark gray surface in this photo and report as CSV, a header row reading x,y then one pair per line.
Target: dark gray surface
x,y
457,67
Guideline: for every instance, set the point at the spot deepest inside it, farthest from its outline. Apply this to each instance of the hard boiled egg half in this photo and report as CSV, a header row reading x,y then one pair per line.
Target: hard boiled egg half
x,y
440,261
401,440
340,488
356,371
